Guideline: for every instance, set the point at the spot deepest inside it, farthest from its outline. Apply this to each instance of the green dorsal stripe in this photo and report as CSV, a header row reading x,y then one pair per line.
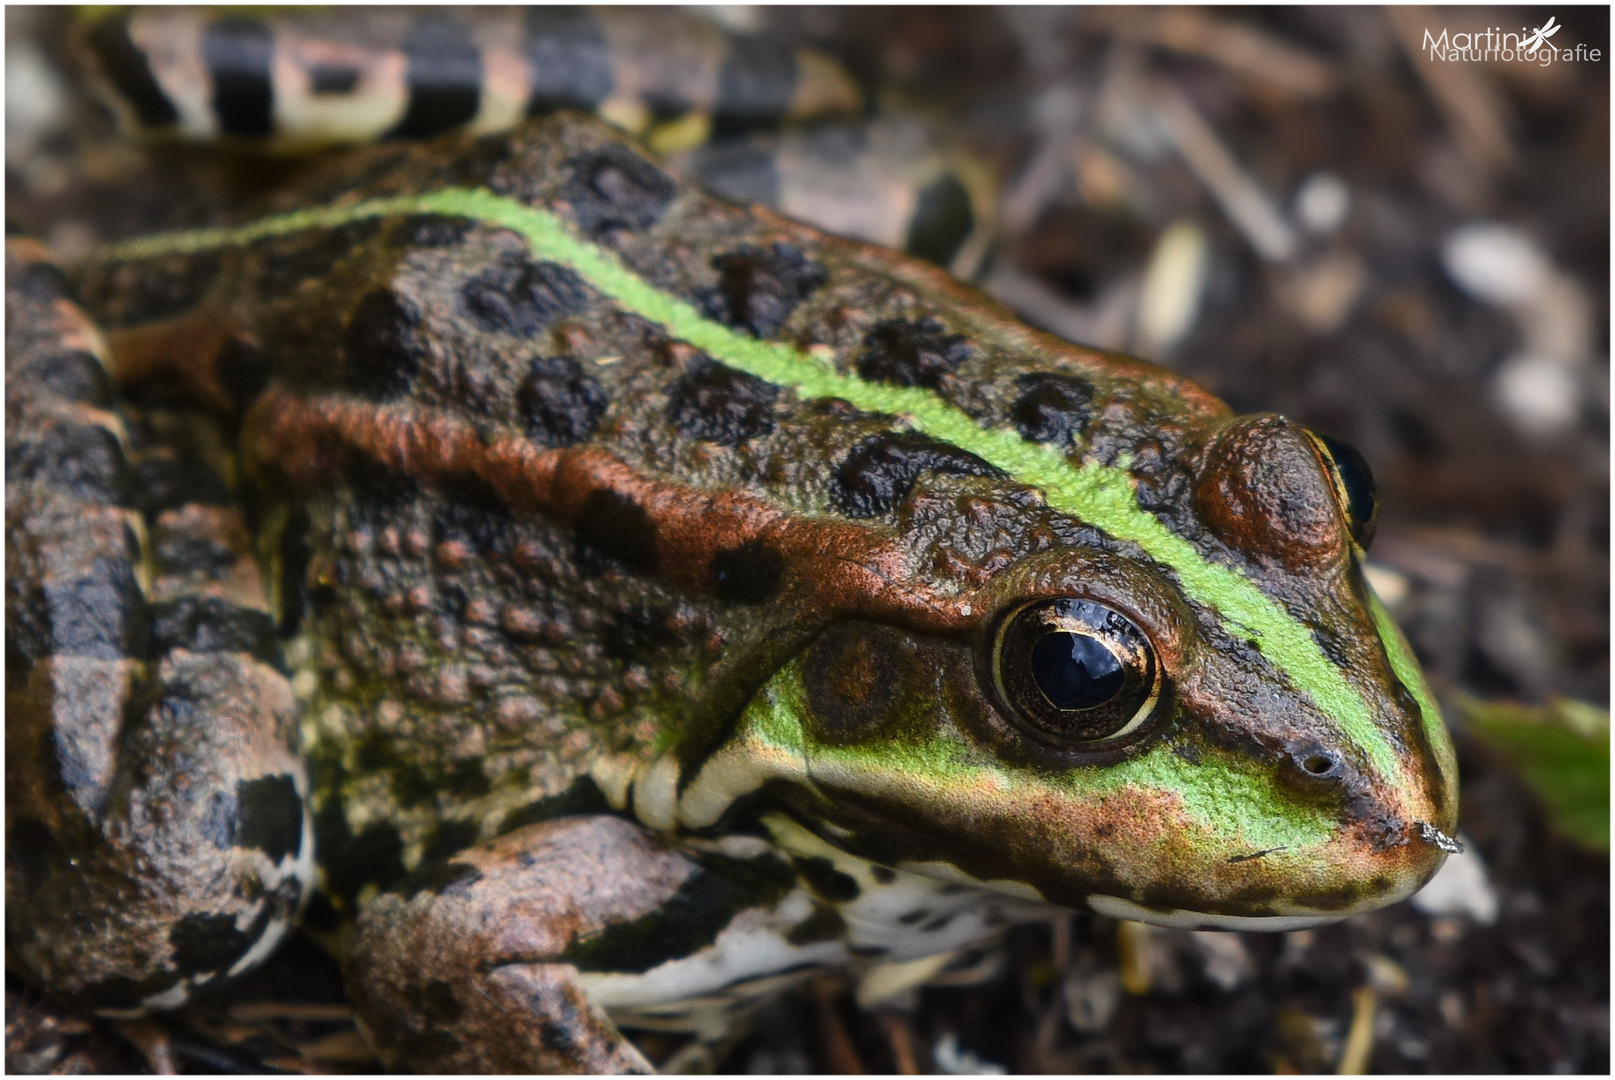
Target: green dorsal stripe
x,y
1098,494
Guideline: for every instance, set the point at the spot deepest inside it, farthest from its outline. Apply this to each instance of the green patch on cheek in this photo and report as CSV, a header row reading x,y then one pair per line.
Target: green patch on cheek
x,y
1230,799
1225,806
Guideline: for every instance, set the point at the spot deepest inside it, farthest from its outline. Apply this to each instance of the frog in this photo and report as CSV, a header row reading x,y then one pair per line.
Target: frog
x,y
592,605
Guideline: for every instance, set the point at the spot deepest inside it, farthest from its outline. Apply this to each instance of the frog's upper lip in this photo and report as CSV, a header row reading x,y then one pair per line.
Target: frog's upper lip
x,y
1180,919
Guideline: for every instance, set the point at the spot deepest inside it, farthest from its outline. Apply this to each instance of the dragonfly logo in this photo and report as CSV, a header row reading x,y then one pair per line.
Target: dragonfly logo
x,y
1539,36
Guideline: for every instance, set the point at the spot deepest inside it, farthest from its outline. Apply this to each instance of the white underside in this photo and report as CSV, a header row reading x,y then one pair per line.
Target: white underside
x,y
897,922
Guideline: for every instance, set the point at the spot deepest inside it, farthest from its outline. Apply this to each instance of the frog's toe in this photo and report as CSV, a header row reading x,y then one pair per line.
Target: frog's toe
x,y
463,966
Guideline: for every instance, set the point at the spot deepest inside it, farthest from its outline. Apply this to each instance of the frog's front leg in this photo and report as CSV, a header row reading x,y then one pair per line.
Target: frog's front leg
x,y
155,833
473,964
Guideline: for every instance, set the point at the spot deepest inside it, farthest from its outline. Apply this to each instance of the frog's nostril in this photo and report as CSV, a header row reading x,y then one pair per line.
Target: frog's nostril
x,y
1318,764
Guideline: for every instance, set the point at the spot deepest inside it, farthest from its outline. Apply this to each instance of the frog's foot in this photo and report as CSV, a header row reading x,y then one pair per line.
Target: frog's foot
x,y
156,838
464,966
503,957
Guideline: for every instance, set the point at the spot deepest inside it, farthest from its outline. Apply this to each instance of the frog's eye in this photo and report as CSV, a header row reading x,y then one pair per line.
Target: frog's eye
x,y
1353,482
1075,671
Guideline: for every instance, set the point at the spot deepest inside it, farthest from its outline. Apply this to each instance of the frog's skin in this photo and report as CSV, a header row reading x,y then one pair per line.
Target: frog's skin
x,y
658,582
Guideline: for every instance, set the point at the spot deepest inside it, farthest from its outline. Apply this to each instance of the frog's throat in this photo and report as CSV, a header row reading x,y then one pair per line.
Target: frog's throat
x,y
1100,495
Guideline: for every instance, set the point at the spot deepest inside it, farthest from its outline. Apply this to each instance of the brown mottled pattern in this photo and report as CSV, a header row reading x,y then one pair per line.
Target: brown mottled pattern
x,y
145,712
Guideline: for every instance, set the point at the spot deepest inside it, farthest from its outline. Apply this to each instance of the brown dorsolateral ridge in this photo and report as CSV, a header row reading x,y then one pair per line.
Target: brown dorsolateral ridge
x,y
834,568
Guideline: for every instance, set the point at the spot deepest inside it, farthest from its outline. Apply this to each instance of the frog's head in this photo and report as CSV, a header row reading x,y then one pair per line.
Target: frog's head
x,y
1212,725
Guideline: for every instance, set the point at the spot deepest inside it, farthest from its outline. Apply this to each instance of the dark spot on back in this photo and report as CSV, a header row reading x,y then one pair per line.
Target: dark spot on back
x,y
471,491
915,353
486,533
758,288
719,404
209,624
881,470
620,527
1052,408
1333,643
242,370
823,878
522,298
162,483
747,573
939,923
383,345
909,918
72,374
557,1037
271,816
379,490
560,402
611,187
883,874
412,783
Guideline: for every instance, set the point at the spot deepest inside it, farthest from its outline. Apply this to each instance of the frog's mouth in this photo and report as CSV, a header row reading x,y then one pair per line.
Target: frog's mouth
x,y
1298,918
1177,919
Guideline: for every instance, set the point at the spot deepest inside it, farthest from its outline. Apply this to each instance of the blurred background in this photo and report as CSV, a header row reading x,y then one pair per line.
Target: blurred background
x,y
1310,211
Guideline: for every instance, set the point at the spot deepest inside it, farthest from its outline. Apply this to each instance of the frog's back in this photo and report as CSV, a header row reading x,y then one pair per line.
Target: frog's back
x,y
541,512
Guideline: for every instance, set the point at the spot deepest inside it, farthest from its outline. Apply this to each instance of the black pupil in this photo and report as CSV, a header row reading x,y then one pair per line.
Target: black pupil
x,y
1075,671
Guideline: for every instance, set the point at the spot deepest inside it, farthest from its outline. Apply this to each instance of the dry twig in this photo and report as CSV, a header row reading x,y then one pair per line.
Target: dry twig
x,y
1241,49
